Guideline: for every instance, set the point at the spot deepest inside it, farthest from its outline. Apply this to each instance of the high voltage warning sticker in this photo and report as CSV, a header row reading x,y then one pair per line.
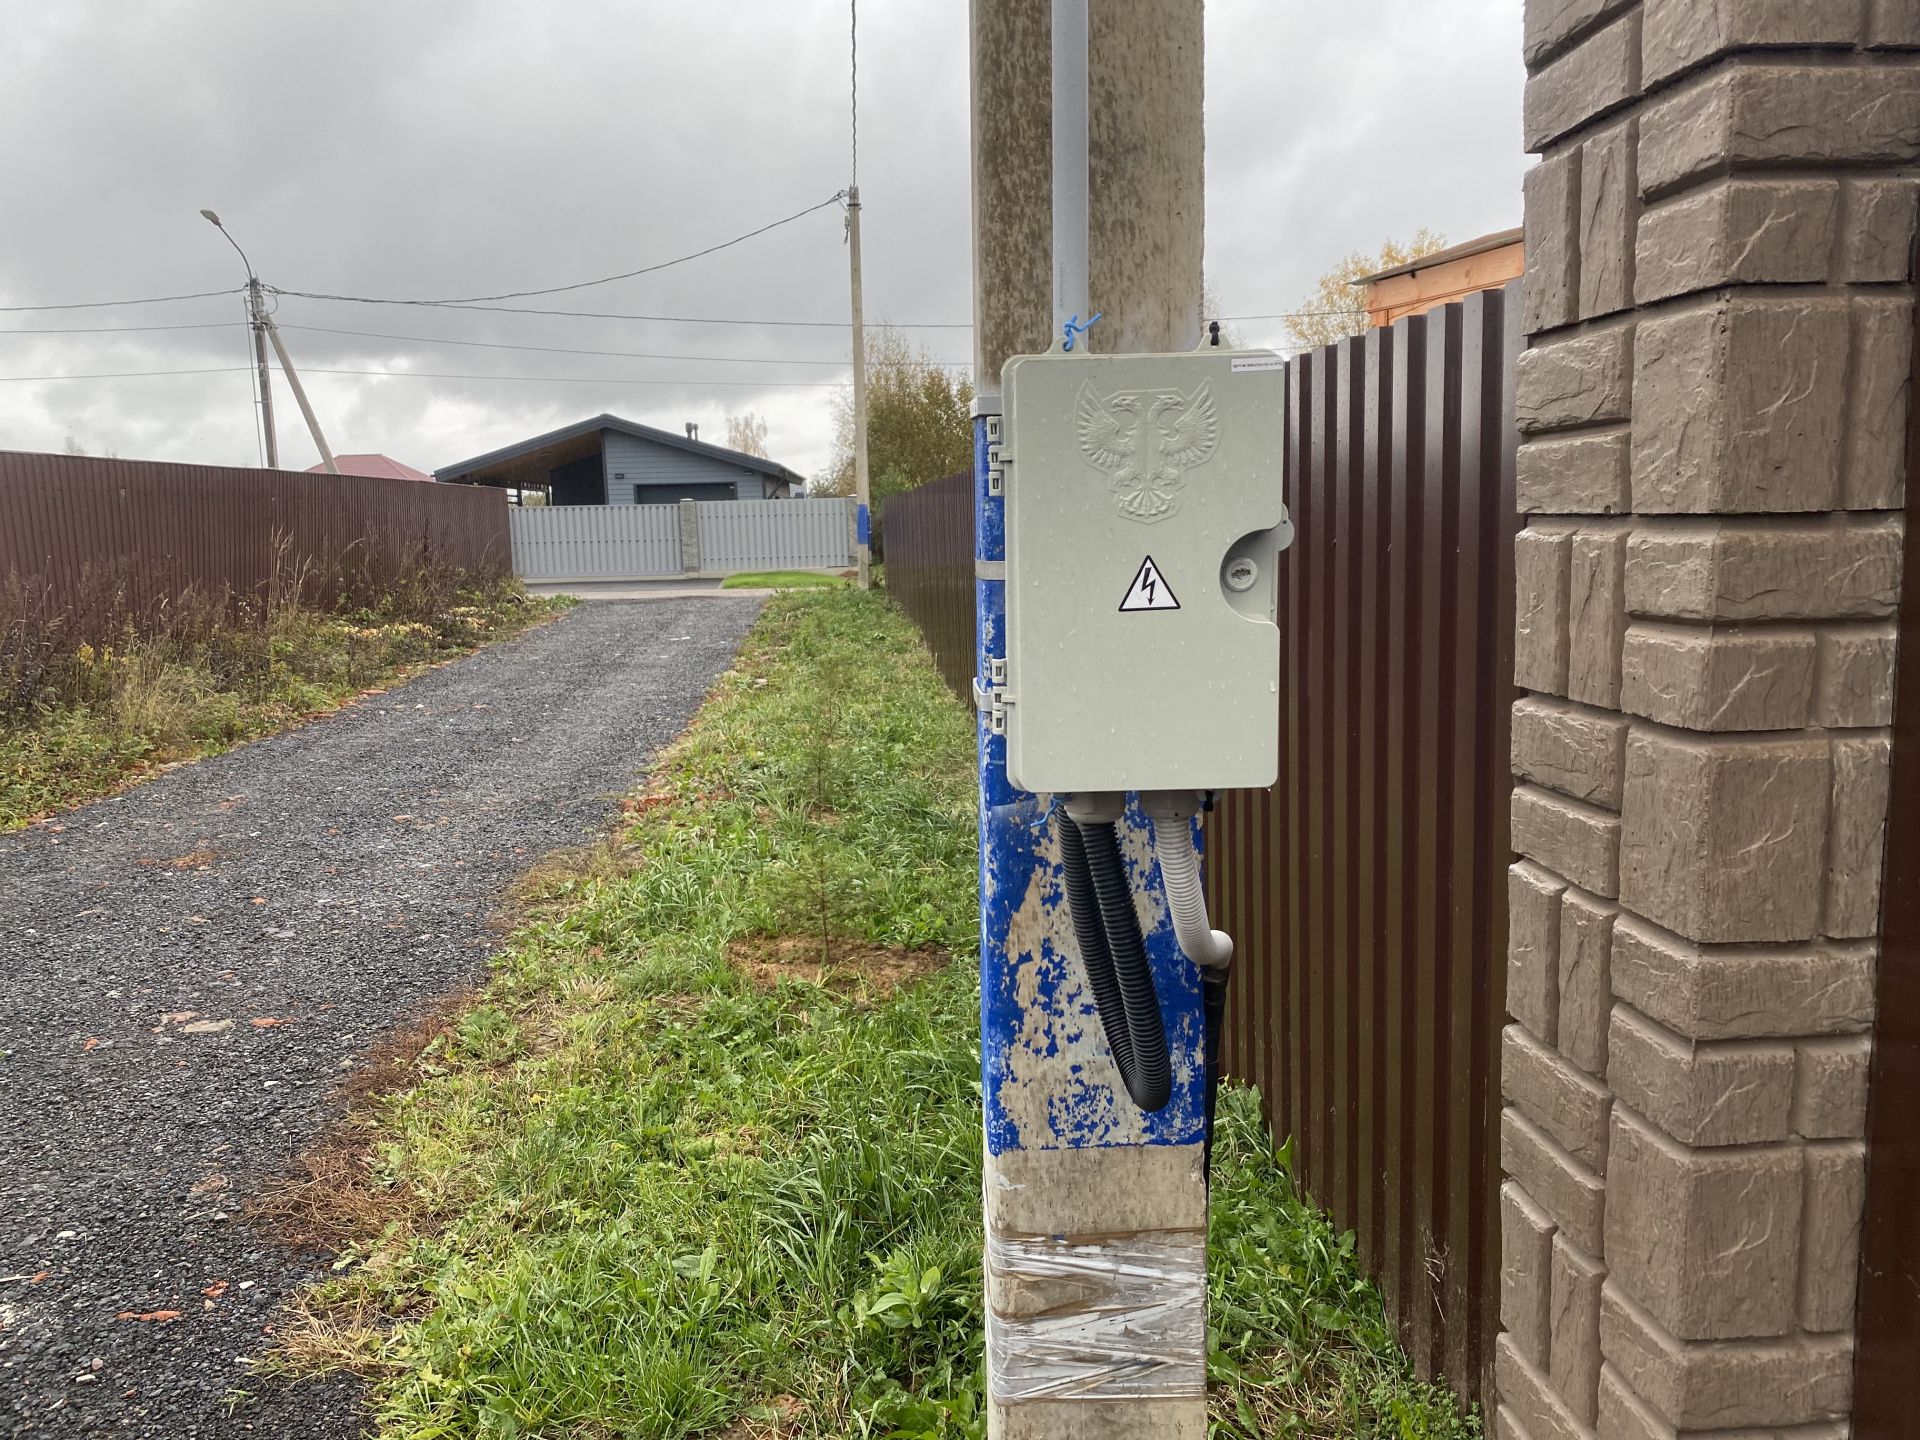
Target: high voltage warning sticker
x,y
1149,590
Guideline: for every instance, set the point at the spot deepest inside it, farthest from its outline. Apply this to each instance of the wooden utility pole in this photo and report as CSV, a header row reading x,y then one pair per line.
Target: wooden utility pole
x,y
256,304
861,490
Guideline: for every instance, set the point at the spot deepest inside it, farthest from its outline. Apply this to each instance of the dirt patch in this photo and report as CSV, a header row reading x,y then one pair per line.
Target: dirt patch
x,y
559,875
777,1419
329,1198
846,967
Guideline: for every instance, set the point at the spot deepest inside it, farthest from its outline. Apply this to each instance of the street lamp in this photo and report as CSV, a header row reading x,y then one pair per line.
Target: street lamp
x,y
258,311
264,330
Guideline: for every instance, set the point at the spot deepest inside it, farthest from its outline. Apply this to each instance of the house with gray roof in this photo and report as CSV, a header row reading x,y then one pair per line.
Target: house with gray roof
x,y
610,461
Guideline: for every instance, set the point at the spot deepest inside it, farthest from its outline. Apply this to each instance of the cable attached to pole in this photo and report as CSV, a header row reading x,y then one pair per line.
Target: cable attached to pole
x,y
1100,900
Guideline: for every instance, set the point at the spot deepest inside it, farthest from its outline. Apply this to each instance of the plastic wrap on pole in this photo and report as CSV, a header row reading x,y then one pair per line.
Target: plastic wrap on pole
x,y
1114,1318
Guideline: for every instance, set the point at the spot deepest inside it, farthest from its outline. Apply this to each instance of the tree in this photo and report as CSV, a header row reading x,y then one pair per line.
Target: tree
x,y
919,422
1334,310
748,434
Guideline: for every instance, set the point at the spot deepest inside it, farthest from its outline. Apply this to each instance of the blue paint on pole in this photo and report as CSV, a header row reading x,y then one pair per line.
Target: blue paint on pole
x,y
863,525
1047,1078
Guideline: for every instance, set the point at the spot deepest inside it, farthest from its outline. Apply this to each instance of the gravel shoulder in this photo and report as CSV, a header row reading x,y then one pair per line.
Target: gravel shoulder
x,y
188,969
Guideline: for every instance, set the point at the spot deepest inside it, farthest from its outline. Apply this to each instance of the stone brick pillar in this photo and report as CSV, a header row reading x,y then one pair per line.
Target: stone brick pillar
x,y
1714,412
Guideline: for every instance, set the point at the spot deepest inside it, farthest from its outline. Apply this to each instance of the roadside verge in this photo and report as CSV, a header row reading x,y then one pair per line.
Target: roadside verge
x,y
703,1157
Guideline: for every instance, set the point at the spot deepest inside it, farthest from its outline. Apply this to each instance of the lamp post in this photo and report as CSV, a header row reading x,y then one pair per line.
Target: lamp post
x,y
257,310
264,330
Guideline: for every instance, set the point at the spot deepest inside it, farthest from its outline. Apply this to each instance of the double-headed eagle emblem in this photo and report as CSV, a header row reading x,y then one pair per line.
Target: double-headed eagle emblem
x,y
1147,441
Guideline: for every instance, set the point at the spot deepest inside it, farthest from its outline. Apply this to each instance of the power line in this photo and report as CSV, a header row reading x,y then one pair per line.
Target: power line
x,y
124,374
661,319
125,329
432,375
597,315
105,304
588,379
481,344
853,71
833,199
569,350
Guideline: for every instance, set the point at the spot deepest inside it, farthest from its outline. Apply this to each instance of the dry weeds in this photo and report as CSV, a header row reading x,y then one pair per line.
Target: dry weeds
x,y
849,967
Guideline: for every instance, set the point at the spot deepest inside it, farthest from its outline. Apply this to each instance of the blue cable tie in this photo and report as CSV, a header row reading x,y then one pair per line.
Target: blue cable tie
x,y
1073,327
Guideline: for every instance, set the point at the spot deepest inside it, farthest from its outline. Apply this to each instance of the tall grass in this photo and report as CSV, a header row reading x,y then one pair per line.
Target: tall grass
x,y
116,676
649,1185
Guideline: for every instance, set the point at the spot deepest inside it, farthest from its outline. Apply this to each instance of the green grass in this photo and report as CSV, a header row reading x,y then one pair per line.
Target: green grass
x,y
634,1194
102,716
784,580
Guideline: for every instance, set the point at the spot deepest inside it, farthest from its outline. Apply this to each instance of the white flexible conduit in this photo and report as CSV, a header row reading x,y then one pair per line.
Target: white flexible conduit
x,y
1186,900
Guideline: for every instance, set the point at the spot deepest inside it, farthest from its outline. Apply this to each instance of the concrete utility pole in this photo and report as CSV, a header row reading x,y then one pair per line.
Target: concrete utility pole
x,y
255,302
1106,1198
257,310
861,490
300,397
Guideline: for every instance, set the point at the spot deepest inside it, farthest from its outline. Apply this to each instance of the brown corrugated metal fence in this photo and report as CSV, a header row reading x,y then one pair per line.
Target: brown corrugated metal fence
x,y
1887,1381
930,570
160,528
1366,890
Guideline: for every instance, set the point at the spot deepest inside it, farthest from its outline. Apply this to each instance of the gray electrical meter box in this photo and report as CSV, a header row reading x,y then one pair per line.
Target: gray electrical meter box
x,y
1145,520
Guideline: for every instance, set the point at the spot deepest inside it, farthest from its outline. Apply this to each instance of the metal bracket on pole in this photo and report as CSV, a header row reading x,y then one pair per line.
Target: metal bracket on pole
x,y
997,459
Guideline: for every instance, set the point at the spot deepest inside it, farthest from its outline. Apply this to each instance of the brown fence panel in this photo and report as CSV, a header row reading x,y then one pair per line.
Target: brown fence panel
x,y
1887,1380
160,527
929,537
1366,890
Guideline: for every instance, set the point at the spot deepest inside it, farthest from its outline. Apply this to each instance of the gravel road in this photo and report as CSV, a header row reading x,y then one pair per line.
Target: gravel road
x,y
335,879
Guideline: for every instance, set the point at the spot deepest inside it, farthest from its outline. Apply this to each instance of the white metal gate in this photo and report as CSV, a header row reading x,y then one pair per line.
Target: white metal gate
x,y
595,542
557,543
774,534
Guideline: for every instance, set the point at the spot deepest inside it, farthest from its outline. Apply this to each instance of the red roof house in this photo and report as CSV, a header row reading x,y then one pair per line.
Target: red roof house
x,y
380,467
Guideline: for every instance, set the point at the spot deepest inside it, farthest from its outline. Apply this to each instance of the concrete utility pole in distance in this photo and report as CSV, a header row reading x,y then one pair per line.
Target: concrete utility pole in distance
x,y
255,303
257,312
1070,1179
862,492
300,397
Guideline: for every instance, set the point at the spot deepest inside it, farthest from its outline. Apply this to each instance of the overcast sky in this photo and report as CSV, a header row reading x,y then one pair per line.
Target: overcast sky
x,y
451,148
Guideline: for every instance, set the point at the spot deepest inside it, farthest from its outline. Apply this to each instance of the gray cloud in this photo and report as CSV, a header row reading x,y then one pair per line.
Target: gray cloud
x,y
435,148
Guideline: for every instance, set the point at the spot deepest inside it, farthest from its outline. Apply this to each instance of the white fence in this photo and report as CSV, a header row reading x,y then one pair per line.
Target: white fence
x,y
775,534
595,542
711,537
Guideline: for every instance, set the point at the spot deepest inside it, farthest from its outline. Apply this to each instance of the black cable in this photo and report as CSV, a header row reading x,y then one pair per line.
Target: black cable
x,y
1098,894
1213,1013
579,284
1092,935
106,304
658,319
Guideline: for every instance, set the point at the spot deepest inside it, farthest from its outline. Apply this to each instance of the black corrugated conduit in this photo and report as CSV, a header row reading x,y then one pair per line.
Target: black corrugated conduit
x,y
1101,903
